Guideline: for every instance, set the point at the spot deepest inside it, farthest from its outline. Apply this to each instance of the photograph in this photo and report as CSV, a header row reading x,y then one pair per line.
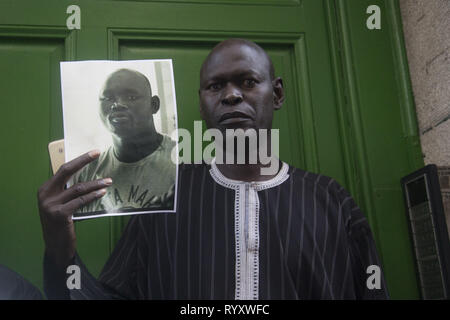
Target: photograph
x,y
127,111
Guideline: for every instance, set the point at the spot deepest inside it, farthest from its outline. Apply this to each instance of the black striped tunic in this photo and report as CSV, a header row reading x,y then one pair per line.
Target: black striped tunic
x,y
297,236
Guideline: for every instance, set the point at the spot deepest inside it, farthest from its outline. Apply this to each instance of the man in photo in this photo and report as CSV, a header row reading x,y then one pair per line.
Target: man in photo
x,y
138,164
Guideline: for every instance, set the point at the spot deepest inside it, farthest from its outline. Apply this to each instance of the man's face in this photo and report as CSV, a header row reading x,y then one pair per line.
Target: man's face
x,y
126,104
236,89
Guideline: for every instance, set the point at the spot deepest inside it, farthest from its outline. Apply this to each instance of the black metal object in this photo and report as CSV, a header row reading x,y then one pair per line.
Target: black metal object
x,y
428,230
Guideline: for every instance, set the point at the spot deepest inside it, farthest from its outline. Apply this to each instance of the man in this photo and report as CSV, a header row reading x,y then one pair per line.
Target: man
x,y
138,163
236,233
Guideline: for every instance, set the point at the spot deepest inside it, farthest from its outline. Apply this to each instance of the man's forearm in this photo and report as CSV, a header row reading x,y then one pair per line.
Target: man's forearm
x,y
61,283
55,278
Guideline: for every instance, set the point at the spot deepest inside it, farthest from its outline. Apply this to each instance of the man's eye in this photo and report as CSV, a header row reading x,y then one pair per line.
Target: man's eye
x,y
105,98
215,86
249,83
132,98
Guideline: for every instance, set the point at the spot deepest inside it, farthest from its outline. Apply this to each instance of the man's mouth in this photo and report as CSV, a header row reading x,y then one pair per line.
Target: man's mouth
x,y
118,117
234,117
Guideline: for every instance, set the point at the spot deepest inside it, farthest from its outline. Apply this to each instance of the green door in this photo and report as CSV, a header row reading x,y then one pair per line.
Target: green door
x,y
348,113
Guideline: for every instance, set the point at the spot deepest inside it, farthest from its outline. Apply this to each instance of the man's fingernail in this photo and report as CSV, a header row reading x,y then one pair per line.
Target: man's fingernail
x,y
107,181
94,153
100,192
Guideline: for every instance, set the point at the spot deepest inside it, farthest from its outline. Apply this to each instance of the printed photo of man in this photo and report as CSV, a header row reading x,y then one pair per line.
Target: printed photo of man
x,y
137,167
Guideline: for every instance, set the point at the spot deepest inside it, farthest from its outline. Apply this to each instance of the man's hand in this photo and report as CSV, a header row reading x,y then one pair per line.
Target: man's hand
x,y
57,205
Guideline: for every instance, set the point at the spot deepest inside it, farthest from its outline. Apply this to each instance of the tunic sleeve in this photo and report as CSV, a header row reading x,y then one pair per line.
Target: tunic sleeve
x,y
367,268
15,287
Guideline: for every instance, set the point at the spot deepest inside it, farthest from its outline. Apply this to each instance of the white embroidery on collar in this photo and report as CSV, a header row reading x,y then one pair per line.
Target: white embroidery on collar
x,y
246,228
281,176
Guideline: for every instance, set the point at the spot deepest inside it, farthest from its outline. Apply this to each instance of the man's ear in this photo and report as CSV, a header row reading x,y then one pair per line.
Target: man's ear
x,y
155,104
278,93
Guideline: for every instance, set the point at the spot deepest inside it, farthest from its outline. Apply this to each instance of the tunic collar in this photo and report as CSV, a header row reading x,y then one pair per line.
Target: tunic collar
x,y
281,176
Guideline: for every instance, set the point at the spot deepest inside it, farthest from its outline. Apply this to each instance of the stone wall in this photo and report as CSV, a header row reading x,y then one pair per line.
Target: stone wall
x,y
426,26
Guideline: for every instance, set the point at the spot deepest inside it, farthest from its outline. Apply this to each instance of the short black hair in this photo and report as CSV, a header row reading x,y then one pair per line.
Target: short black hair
x,y
137,73
251,44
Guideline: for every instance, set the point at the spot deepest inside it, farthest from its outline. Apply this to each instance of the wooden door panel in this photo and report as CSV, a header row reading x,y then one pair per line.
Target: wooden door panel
x,y
30,84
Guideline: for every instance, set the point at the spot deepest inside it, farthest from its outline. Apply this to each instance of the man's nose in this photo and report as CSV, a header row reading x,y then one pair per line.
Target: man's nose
x,y
118,104
232,96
